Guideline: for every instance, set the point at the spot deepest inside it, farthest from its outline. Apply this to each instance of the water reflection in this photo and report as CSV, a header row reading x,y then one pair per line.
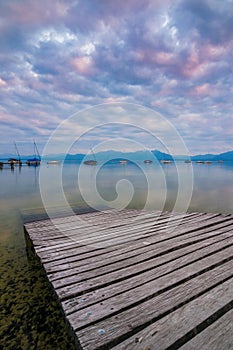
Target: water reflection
x,y
212,185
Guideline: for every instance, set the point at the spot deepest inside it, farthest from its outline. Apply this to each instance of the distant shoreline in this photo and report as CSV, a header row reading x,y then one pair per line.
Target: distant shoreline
x,y
132,156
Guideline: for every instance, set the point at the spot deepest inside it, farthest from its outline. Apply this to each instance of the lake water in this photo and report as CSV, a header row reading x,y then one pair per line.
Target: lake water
x,y
30,318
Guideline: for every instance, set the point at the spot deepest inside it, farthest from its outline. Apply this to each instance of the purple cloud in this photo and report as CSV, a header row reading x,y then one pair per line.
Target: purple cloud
x,y
59,57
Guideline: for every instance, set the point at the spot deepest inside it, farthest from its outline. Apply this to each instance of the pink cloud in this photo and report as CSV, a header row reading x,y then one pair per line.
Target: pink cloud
x,y
212,52
202,57
194,65
2,82
204,89
152,56
35,12
83,65
164,58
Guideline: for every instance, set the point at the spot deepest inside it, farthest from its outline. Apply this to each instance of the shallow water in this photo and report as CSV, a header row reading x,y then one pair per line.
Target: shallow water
x,y
30,317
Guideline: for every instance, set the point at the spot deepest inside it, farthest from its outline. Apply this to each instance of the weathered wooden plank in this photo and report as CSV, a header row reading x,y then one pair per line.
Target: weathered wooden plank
x,y
218,336
79,284
56,230
57,249
71,249
111,216
182,324
136,250
97,296
108,238
127,299
82,228
132,223
67,218
71,253
102,222
96,219
120,262
111,241
130,321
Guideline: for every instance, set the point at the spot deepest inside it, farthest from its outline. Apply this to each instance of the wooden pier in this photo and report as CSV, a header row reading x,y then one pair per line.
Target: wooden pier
x,y
141,280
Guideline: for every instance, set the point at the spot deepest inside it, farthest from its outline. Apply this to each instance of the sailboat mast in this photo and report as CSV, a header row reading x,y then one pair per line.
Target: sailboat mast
x,y
93,154
36,150
17,151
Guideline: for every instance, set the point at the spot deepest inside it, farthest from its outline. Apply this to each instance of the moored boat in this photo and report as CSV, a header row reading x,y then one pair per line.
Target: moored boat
x,y
90,162
53,162
36,160
166,161
15,161
33,161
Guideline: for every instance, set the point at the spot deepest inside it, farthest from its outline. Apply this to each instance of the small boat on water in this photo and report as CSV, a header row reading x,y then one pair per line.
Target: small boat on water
x,y
200,162
208,162
15,161
91,161
33,161
166,161
123,161
53,162
187,161
36,160
147,161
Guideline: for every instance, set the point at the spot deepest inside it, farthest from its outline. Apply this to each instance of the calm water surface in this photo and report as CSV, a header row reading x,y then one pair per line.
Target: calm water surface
x,y
29,316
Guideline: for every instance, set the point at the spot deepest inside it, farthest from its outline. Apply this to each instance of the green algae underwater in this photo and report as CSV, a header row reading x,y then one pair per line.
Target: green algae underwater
x,y
29,314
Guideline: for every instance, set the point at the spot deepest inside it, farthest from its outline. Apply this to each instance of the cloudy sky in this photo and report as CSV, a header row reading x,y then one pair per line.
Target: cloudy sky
x,y
59,58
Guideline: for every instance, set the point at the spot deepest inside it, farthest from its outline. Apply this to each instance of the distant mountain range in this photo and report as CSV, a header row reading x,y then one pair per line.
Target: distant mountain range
x,y
142,155
134,156
227,156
